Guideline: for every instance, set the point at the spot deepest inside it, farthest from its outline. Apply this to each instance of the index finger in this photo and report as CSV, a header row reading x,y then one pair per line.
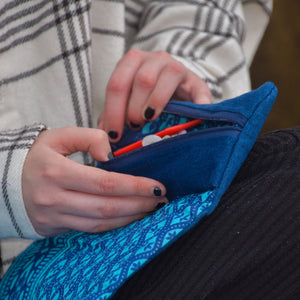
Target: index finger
x,y
93,180
118,92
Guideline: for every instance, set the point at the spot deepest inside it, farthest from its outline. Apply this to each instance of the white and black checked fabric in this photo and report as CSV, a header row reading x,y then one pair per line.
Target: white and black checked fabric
x,y
56,58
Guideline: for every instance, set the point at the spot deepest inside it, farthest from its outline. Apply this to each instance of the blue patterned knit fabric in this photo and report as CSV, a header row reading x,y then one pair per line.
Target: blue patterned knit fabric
x,y
77,265
81,266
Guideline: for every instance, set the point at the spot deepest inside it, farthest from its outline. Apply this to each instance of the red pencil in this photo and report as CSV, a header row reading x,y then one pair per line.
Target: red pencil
x,y
168,131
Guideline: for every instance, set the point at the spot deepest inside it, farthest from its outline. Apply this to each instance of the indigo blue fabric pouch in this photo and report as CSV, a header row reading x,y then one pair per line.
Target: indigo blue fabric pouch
x,y
196,167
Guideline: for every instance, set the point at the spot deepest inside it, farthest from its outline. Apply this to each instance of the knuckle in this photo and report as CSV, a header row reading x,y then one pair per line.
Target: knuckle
x,y
207,93
140,187
116,85
162,54
108,210
51,172
101,136
134,53
107,185
44,201
176,67
146,79
41,221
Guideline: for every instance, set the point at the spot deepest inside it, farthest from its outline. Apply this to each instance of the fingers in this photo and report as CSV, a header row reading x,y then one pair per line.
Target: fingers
x,y
194,89
141,86
69,140
56,189
171,76
144,82
118,92
90,225
100,182
106,207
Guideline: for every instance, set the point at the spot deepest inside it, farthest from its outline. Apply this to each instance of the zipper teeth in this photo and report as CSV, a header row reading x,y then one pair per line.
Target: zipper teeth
x,y
190,112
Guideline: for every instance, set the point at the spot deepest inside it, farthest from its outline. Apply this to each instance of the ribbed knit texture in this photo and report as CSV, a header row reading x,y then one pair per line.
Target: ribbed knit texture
x,y
249,247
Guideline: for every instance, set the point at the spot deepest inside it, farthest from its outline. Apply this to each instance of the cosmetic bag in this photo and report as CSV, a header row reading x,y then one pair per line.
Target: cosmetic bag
x,y
196,167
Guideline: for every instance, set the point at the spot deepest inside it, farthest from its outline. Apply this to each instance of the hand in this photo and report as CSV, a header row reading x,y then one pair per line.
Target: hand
x,y
141,86
60,194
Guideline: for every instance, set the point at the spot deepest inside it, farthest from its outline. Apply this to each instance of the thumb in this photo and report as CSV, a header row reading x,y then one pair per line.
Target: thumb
x,y
68,140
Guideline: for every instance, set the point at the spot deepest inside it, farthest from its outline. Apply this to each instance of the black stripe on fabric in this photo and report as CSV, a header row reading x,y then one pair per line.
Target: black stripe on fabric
x,y
198,16
21,130
50,62
198,44
146,14
131,24
5,194
225,3
186,42
216,82
209,19
21,14
150,36
86,38
220,23
42,29
132,11
68,65
26,25
78,58
234,4
138,2
83,79
19,146
211,3
114,33
24,138
173,41
225,77
215,45
158,11
10,5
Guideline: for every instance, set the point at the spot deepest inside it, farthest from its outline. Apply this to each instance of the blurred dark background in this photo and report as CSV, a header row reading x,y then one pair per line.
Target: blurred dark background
x,y
277,60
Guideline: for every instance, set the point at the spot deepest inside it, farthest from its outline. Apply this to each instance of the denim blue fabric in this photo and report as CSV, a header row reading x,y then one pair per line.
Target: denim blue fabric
x,y
78,265
202,155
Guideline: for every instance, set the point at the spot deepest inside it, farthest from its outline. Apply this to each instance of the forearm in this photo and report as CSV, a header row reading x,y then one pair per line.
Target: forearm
x,y
14,146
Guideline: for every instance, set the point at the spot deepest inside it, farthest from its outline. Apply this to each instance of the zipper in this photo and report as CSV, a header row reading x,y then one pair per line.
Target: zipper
x,y
192,110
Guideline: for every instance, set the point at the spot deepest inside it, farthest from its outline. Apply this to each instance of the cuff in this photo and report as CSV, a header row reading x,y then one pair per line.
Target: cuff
x,y
15,144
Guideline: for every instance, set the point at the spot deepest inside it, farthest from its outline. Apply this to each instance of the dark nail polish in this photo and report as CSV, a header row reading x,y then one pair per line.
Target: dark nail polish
x,y
149,113
157,191
160,205
110,155
113,134
134,126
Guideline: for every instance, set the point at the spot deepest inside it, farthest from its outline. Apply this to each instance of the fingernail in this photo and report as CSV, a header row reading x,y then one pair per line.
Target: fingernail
x,y
110,155
160,205
149,113
113,134
134,126
157,191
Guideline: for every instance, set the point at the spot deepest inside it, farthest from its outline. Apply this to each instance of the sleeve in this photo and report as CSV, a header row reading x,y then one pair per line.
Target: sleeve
x,y
208,37
14,146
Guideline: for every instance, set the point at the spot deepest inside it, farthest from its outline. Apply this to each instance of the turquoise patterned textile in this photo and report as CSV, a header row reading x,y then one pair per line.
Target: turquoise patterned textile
x,y
78,265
